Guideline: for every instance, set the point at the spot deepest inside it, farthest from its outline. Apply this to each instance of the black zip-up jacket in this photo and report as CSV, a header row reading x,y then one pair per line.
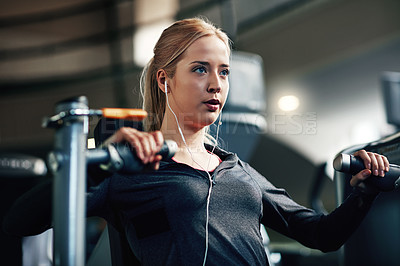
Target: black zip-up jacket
x,y
163,214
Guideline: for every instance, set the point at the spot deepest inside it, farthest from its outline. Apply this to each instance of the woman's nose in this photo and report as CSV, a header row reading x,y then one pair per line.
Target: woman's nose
x,y
215,84
214,89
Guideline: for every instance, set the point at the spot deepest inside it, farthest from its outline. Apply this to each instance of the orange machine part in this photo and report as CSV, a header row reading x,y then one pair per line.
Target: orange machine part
x,y
124,113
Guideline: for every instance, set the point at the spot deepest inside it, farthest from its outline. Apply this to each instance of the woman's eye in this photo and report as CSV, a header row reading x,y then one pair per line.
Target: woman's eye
x,y
200,70
224,72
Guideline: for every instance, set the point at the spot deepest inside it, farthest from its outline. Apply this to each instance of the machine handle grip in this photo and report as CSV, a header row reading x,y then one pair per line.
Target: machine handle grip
x,y
351,164
124,113
121,157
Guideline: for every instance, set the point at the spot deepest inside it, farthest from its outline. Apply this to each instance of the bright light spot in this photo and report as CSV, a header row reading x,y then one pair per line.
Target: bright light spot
x,y
144,41
288,103
364,132
91,144
276,258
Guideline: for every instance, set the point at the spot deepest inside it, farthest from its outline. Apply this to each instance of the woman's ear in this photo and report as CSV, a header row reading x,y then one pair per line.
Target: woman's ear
x,y
161,77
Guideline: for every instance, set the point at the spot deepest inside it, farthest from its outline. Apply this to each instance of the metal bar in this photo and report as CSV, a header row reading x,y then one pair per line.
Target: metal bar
x,y
56,14
97,156
104,37
69,206
12,87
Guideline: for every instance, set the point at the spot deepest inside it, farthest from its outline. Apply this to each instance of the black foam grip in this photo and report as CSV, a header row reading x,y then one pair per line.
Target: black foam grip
x,y
389,182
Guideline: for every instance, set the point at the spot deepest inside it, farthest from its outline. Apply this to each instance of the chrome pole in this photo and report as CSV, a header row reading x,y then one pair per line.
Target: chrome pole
x,y
68,163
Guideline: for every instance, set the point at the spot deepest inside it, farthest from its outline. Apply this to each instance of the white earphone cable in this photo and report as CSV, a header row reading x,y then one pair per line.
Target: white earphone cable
x,y
209,195
208,174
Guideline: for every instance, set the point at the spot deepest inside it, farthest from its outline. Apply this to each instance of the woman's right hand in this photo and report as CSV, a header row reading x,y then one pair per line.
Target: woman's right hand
x,y
146,144
375,164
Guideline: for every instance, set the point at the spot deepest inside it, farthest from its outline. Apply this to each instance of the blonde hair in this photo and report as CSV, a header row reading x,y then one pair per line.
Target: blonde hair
x,y
172,43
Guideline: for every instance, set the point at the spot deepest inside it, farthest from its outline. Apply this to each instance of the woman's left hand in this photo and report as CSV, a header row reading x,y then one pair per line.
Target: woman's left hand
x,y
375,164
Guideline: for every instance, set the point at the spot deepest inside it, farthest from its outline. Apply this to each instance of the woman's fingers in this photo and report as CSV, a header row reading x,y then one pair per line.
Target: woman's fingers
x,y
386,163
377,163
381,166
146,145
359,177
159,138
374,163
156,163
365,157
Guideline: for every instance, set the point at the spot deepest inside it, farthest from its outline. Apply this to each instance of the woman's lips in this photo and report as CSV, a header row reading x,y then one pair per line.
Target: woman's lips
x,y
212,104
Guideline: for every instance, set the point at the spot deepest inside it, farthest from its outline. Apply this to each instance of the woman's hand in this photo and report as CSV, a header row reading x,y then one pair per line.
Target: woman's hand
x,y
146,144
375,164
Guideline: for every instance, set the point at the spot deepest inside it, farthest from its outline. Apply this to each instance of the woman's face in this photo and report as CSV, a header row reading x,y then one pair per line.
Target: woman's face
x,y
199,88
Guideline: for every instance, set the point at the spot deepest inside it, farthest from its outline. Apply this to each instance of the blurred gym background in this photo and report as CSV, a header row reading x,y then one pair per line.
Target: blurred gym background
x,y
321,63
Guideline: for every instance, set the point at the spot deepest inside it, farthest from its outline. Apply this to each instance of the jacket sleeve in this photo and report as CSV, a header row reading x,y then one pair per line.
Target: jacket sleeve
x,y
324,232
31,214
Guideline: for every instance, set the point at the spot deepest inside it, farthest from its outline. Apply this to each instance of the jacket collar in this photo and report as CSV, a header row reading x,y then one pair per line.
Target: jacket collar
x,y
229,159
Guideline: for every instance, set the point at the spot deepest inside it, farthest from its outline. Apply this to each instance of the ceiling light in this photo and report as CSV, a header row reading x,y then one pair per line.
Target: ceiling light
x,y
288,103
144,40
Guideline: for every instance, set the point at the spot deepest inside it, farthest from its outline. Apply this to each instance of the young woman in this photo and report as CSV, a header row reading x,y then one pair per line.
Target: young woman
x,y
205,205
